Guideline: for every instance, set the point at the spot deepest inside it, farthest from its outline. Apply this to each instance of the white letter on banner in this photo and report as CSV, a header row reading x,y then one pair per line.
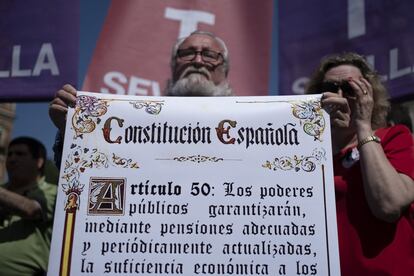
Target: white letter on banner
x,y
4,74
356,18
189,19
46,60
394,71
371,60
110,78
298,86
16,71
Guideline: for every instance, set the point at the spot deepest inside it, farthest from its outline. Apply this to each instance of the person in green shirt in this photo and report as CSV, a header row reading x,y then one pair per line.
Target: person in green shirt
x,y
27,204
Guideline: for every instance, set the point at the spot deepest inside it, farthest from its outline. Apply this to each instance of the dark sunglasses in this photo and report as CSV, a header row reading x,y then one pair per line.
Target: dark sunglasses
x,y
333,87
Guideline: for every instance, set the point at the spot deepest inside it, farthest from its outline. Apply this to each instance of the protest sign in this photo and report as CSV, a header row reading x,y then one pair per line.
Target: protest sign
x,y
201,185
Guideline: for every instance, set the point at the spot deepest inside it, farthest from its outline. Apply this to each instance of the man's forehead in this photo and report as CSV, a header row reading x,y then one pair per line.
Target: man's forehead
x,y
19,148
201,41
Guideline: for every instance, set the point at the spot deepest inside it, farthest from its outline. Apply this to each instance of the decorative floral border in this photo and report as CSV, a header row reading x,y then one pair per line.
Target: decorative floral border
x,y
309,113
198,158
296,163
311,117
80,159
151,107
88,109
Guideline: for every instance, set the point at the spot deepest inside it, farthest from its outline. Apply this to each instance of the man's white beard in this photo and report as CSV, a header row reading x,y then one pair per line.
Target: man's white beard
x,y
197,85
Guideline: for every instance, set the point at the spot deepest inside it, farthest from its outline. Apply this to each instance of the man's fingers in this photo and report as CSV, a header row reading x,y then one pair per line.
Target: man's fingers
x,y
57,113
58,107
66,97
70,89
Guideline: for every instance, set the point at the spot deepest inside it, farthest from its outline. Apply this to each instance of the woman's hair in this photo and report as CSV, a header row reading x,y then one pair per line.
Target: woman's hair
x,y
380,94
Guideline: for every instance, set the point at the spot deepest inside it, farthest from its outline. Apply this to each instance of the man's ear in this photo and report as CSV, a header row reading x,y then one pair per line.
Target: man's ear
x,y
40,163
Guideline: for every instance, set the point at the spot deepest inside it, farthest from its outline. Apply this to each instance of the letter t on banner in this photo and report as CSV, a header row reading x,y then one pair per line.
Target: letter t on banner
x,y
189,19
134,49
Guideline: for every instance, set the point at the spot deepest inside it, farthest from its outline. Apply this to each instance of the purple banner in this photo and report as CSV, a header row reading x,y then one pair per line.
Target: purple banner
x,y
39,45
381,30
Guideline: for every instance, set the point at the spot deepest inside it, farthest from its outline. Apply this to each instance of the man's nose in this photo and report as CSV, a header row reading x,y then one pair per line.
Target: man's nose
x,y
198,58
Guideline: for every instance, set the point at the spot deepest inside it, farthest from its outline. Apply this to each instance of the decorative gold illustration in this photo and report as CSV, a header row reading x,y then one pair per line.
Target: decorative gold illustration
x,y
151,107
306,163
87,112
82,158
106,196
308,112
124,162
197,158
72,199
311,117
78,161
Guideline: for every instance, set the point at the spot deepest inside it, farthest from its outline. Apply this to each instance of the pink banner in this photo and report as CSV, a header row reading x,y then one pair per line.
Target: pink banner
x,y
133,51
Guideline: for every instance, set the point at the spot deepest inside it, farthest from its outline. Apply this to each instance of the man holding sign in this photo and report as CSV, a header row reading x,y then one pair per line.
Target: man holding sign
x,y
258,200
199,64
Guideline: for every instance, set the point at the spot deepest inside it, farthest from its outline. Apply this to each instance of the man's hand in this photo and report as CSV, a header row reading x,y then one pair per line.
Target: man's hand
x,y
17,204
58,107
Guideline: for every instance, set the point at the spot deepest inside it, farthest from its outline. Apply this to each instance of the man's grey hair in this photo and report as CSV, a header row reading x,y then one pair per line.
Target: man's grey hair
x,y
225,52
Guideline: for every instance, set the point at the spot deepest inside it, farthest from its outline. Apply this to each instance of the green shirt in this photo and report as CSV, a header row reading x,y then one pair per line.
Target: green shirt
x,y
25,244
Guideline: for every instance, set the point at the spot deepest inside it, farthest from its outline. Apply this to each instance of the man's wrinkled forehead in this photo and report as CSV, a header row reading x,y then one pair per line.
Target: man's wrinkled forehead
x,y
201,41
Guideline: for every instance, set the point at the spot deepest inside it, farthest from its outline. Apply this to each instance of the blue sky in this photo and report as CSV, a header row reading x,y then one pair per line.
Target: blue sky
x,y
32,120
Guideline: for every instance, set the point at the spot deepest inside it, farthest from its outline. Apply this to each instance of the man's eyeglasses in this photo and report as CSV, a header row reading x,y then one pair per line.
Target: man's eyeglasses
x,y
206,55
329,86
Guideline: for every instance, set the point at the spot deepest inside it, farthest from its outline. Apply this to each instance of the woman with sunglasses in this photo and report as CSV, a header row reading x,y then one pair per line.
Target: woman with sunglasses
x,y
373,168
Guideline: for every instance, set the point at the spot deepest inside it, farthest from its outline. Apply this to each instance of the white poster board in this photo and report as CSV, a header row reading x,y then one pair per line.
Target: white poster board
x,y
196,186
